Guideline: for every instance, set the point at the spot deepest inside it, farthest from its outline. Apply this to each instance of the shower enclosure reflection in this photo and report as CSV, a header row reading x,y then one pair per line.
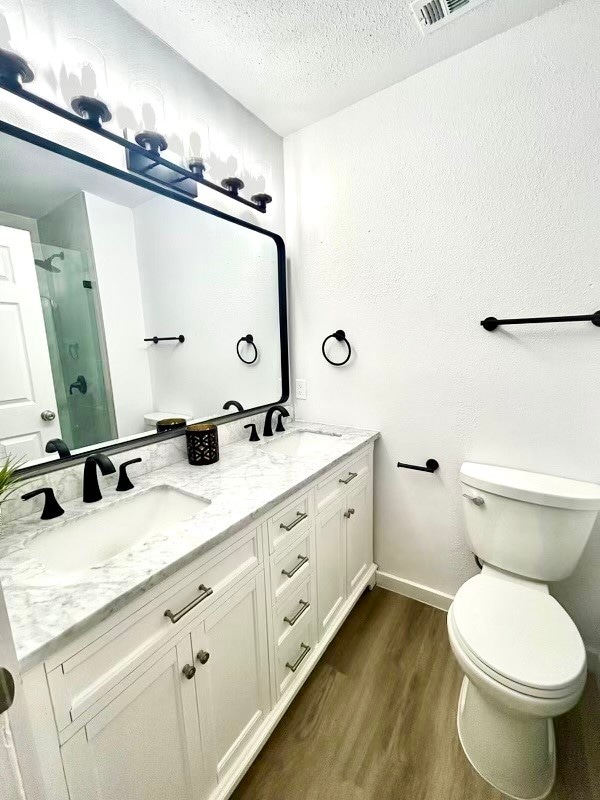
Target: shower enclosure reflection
x,y
76,348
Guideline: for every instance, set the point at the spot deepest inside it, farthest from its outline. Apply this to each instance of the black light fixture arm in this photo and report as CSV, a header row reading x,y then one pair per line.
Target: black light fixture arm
x,y
431,465
91,113
491,323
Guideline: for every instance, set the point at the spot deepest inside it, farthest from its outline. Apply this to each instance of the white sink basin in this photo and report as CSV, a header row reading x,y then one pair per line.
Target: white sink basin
x,y
95,538
301,443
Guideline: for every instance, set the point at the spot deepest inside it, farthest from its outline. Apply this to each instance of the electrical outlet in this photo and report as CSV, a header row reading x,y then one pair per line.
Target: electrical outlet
x,y
300,389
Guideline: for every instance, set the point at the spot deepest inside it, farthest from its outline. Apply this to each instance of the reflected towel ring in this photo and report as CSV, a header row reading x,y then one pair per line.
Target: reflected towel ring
x,y
341,337
249,339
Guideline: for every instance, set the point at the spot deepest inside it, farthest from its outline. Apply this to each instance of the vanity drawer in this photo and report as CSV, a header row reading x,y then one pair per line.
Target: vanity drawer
x,y
290,568
82,679
295,651
334,486
290,522
292,611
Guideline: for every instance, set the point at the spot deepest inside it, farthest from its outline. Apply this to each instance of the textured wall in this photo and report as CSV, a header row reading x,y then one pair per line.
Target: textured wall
x,y
94,47
469,190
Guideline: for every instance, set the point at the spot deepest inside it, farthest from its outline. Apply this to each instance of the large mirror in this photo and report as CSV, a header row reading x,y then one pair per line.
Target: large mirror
x,y
93,266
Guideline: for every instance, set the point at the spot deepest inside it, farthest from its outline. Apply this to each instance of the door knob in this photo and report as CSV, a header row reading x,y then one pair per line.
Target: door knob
x,y
7,690
48,416
189,671
203,656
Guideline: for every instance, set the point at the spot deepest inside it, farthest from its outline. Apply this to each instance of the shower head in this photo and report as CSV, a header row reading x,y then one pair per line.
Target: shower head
x,y
46,263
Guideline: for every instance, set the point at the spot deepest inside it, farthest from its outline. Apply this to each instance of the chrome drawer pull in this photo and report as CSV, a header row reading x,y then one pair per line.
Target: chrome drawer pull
x,y
300,515
304,606
349,513
305,651
176,616
351,476
292,572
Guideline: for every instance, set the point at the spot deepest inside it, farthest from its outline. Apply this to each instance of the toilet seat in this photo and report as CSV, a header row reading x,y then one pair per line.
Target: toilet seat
x,y
519,636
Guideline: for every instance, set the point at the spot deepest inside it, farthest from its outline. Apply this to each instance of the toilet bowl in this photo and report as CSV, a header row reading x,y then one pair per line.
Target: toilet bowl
x,y
523,658
524,663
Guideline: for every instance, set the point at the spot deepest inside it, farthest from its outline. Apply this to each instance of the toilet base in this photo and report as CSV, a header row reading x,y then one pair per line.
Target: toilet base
x,y
514,753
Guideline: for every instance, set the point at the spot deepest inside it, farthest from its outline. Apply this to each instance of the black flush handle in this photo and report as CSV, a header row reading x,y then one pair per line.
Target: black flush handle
x,y
339,336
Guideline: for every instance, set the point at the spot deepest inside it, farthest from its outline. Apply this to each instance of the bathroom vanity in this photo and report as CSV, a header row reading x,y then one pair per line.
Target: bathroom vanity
x,y
162,671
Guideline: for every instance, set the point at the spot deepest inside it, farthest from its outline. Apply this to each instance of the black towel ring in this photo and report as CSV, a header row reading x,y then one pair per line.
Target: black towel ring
x,y
341,337
249,339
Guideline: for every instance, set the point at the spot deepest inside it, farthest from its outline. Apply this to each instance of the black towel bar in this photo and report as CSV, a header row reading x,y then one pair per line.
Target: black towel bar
x,y
491,323
157,339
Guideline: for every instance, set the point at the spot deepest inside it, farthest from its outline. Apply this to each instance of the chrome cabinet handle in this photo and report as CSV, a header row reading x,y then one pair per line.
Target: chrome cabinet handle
x,y
189,671
305,651
351,476
177,615
477,501
48,416
292,572
300,515
349,513
304,606
203,656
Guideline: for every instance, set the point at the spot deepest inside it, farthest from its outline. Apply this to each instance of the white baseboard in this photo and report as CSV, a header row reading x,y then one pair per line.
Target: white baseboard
x,y
424,594
593,662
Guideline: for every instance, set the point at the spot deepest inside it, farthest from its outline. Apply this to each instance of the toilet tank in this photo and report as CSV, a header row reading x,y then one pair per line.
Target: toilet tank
x,y
529,524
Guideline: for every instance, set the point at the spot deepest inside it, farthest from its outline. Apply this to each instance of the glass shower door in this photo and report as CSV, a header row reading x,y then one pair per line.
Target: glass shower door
x,y
71,311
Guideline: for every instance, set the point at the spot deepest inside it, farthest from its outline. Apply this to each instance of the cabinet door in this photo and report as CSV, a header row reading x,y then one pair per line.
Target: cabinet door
x,y
331,562
232,678
145,744
359,533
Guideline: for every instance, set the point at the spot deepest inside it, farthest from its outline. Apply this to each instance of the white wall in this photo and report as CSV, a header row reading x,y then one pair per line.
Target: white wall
x,y
94,47
469,190
115,256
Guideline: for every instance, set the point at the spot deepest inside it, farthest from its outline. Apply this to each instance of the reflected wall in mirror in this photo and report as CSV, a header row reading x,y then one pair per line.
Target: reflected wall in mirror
x,y
91,266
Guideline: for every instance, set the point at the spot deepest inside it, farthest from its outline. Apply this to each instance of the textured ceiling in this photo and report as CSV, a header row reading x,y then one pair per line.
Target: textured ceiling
x,y
293,62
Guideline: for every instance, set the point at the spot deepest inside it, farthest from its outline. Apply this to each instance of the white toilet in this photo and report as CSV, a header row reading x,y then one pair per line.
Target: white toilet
x,y
522,655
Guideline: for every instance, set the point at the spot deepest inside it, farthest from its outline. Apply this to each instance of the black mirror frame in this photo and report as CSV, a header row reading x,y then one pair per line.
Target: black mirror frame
x,y
150,438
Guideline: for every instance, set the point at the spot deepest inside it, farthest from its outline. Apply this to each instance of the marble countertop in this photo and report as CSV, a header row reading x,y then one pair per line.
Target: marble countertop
x,y
47,609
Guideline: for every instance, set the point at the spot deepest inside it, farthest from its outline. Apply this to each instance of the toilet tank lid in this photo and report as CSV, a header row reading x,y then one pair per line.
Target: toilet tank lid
x,y
532,487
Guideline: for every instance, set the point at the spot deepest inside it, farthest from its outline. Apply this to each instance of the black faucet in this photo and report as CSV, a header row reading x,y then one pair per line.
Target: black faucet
x,y
91,489
58,446
233,403
268,431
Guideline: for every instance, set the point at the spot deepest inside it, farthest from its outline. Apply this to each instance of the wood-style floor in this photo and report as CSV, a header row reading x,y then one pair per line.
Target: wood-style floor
x,y
376,720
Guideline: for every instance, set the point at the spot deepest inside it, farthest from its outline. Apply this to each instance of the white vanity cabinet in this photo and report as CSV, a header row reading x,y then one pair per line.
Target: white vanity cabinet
x,y
174,695
145,744
232,674
344,536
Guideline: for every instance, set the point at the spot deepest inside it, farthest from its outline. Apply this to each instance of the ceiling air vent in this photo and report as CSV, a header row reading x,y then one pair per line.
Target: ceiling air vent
x,y
433,14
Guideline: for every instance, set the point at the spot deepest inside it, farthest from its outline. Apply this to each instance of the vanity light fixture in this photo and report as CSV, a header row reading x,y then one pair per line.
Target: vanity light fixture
x,y
143,156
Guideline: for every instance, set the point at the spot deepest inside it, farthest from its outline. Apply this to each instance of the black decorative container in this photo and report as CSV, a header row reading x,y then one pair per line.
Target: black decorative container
x,y
170,424
202,443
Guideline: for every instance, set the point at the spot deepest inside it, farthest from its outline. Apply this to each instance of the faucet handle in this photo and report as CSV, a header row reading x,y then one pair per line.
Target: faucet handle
x,y
124,484
279,428
254,437
52,508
